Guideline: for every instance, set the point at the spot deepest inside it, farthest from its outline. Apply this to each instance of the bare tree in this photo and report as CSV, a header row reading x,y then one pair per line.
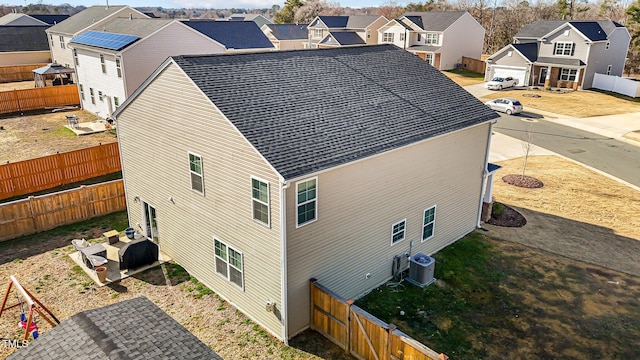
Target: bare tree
x,y
527,145
391,10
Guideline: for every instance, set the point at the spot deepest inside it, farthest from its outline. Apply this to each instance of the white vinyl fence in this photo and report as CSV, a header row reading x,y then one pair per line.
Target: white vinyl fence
x,y
617,84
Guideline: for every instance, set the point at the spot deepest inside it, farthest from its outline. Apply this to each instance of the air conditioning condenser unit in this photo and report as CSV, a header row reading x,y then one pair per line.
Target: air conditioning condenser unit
x,y
421,269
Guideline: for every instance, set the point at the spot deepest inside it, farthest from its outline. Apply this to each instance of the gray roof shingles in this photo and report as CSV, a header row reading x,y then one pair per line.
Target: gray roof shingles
x,y
233,34
596,30
434,20
50,19
131,329
289,31
334,21
528,50
84,19
23,38
560,61
345,104
347,38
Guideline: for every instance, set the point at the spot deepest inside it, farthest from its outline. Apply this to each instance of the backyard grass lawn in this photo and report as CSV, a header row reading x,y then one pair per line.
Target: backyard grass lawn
x,y
501,300
464,77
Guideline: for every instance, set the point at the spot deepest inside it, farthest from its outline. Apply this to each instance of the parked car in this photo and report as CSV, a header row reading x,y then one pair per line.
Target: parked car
x,y
506,105
499,83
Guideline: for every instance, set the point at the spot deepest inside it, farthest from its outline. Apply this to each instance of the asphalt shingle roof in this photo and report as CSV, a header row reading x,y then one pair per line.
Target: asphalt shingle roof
x,y
131,329
434,20
360,21
51,19
347,38
595,30
560,61
538,29
334,21
18,19
85,18
23,38
345,103
137,27
529,50
233,34
289,31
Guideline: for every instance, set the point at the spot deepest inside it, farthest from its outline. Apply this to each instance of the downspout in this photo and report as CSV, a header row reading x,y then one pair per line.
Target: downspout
x,y
283,260
485,173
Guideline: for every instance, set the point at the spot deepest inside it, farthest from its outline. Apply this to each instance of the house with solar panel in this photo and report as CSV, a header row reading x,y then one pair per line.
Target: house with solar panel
x,y
356,29
560,53
266,184
91,18
286,36
441,38
113,62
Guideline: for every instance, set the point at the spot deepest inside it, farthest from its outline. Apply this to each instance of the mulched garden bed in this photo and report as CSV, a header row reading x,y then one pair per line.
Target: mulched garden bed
x,y
522,181
508,217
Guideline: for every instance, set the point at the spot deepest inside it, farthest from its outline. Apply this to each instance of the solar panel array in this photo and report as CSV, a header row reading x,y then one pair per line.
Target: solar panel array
x,y
105,40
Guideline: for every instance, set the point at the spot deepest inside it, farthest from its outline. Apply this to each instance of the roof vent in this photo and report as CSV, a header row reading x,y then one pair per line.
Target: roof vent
x,y
130,16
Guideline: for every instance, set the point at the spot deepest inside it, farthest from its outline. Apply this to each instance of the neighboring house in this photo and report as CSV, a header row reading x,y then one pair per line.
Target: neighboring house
x,y
286,36
341,39
256,18
257,172
130,329
112,63
17,19
24,44
562,53
441,38
92,18
235,36
366,27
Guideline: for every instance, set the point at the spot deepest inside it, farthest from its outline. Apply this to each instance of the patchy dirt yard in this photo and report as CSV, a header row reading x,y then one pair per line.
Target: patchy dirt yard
x,y
30,136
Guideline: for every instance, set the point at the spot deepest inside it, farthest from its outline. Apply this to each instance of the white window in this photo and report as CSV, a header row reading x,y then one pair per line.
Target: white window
x,y
398,231
387,37
260,200
51,39
75,57
428,223
307,202
81,91
568,74
317,33
432,39
93,97
509,53
567,32
564,48
229,263
606,47
118,67
62,42
116,101
609,70
100,96
195,169
102,63
401,36
429,59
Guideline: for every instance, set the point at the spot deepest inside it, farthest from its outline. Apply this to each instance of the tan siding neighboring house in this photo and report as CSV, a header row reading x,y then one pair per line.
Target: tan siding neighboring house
x,y
375,200
173,109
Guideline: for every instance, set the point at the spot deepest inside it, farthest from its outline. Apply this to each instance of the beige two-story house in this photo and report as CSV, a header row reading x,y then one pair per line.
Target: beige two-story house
x,y
440,38
333,176
356,29
562,53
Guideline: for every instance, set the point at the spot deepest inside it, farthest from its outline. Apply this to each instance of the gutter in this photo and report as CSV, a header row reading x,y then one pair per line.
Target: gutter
x,y
485,173
284,185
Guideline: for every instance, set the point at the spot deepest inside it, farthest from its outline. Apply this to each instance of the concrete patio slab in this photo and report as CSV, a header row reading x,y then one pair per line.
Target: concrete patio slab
x,y
86,128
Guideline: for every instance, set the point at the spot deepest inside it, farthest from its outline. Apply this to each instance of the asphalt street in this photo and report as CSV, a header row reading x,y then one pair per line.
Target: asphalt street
x,y
608,155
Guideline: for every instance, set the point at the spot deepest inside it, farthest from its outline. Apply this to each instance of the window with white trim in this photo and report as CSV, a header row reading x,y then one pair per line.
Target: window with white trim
x,y
100,95
428,223
317,33
51,39
118,67
428,58
62,42
260,200
195,171
398,231
307,201
368,34
568,74
93,97
401,36
81,91
564,48
387,37
609,70
432,39
116,101
75,57
103,64
229,263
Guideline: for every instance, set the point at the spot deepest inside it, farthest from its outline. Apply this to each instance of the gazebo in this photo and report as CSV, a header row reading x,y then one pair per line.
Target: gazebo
x,y
58,74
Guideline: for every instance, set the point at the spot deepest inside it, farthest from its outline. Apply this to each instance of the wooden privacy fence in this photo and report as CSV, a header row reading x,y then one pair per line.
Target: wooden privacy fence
x,y
38,98
361,334
474,65
40,213
14,73
47,172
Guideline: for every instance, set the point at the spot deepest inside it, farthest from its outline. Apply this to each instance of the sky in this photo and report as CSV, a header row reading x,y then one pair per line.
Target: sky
x,y
210,4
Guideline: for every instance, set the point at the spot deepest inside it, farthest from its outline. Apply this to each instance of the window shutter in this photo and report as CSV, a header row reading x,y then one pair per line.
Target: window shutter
x,y
555,47
573,49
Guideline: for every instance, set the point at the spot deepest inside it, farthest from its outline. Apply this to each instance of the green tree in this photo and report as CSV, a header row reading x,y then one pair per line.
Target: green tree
x,y
288,12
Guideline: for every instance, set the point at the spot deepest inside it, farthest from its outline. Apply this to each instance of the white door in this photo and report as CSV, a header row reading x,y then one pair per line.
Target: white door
x,y
516,73
150,222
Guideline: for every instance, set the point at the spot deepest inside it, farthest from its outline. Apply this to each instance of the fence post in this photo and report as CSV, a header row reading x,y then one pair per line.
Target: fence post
x,y
390,329
312,283
85,195
15,94
33,214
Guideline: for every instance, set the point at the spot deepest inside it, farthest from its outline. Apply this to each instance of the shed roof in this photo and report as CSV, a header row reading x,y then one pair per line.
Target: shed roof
x,y
23,38
130,329
289,31
233,34
345,103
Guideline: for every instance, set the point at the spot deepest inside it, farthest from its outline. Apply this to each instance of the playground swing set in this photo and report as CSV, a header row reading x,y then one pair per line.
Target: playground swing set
x,y
34,306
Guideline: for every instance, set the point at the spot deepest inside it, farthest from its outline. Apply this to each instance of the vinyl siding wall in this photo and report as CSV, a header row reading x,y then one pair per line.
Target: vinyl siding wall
x,y
141,59
58,54
514,60
358,203
581,49
374,30
90,75
465,37
397,30
600,59
170,118
24,57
